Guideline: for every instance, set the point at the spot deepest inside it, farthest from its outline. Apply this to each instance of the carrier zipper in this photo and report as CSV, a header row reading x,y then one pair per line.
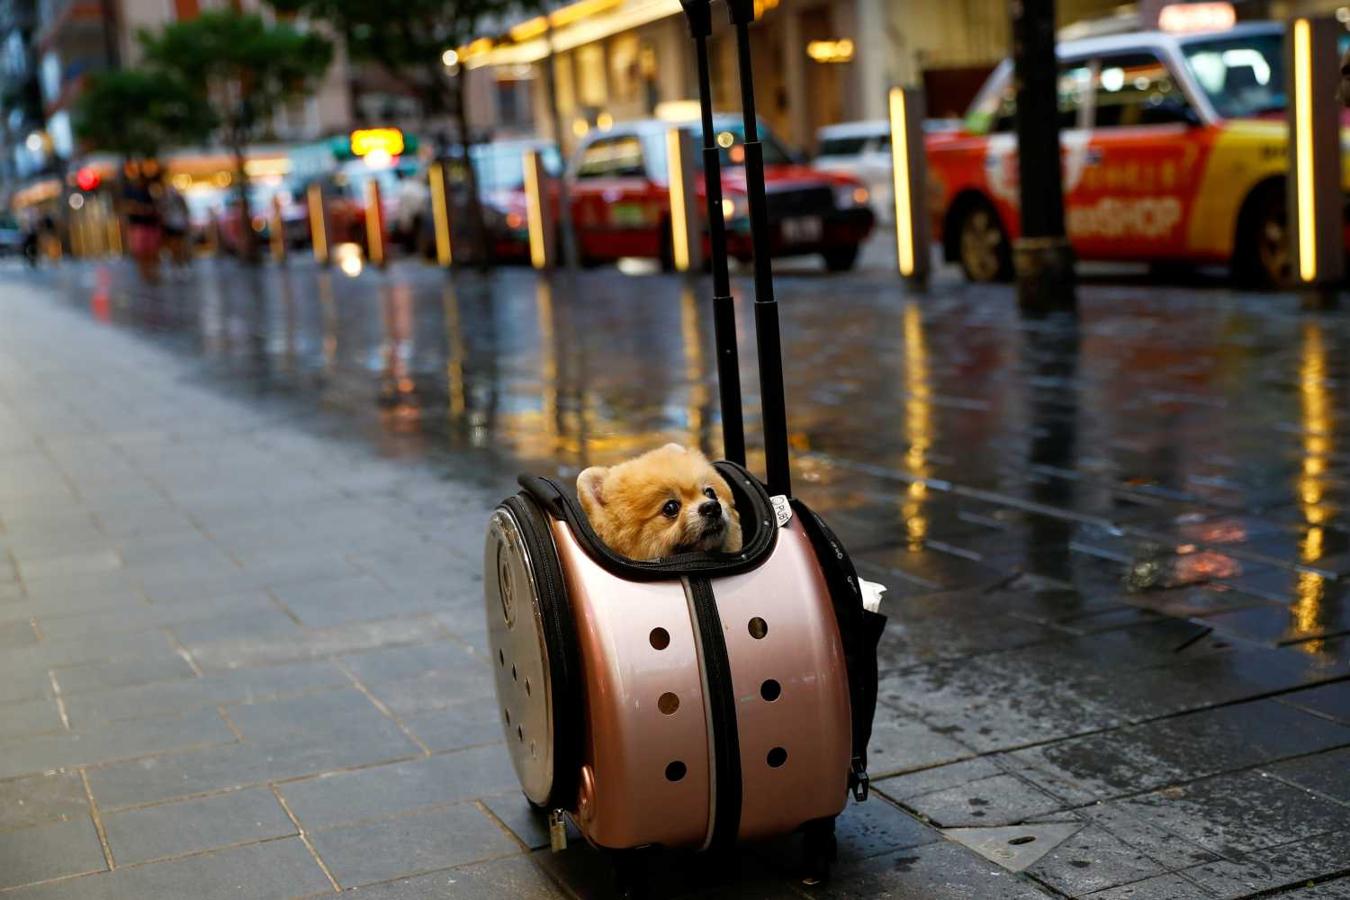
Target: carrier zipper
x,y
724,739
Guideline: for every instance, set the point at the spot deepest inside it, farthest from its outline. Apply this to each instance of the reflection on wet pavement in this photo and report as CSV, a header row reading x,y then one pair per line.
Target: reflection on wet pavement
x,y
1167,441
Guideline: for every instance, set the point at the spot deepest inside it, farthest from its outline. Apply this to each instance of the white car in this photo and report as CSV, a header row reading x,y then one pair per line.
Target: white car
x,y
862,150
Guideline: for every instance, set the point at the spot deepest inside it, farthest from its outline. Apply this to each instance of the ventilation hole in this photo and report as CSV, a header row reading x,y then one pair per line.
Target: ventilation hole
x,y
668,703
758,628
514,676
1019,841
676,771
777,756
507,713
770,690
501,657
660,638
520,733
527,687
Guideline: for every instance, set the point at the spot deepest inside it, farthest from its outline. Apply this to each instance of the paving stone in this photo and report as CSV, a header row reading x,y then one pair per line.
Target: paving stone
x,y
176,829
27,717
1277,867
515,877
1328,774
1161,887
1183,748
934,870
54,850
1331,700
468,724
122,673
272,870
234,653
1095,859
1016,847
389,790
529,825
377,666
901,743
258,685
16,634
50,797
411,844
26,756
998,800
1236,814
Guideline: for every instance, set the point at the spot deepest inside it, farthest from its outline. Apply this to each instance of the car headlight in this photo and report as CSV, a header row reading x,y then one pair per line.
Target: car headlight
x,y
848,196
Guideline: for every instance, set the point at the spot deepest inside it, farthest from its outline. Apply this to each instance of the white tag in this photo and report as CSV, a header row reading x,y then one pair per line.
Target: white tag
x,y
782,509
872,594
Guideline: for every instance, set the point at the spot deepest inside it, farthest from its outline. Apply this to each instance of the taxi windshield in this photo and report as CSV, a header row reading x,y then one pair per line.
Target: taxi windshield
x,y
1243,76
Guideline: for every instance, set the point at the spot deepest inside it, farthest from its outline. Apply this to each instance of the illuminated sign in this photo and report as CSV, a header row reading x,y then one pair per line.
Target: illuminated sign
x,y
1187,17
840,51
366,141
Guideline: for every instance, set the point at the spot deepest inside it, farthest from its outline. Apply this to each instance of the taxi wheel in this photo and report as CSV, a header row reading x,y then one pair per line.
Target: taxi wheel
x,y
1263,259
982,244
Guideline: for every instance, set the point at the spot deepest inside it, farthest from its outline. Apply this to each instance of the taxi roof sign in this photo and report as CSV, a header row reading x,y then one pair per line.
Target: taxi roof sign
x,y
1179,18
381,141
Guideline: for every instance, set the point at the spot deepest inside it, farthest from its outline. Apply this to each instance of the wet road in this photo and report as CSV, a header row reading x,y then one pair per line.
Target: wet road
x,y
1116,545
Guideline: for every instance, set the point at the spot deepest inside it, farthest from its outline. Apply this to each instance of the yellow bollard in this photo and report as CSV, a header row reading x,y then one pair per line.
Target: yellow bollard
x,y
909,178
374,224
686,226
538,213
440,214
278,231
318,224
1316,203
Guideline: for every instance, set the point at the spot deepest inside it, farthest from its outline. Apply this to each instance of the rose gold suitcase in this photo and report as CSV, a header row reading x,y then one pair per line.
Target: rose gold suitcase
x,y
707,699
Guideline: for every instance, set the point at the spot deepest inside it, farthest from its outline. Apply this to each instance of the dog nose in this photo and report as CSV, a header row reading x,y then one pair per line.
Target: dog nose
x,y
710,510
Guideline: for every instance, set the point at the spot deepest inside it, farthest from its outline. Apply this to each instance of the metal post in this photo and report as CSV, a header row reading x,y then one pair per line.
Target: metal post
x,y
909,178
699,13
440,214
769,342
686,226
318,225
374,224
1043,256
277,229
539,213
1315,224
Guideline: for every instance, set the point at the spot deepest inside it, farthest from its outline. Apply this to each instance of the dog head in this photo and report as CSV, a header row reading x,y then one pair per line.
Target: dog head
x,y
665,502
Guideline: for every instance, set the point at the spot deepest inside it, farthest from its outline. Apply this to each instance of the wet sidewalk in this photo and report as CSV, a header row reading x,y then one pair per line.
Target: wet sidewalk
x,y
240,626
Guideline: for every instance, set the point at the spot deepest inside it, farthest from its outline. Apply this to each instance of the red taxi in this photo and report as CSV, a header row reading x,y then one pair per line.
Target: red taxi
x,y
621,201
1174,151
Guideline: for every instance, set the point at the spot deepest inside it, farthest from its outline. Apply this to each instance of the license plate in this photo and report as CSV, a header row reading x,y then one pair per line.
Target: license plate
x,y
802,230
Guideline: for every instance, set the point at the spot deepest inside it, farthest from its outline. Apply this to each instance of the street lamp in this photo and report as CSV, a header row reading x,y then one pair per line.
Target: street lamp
x,y
450,58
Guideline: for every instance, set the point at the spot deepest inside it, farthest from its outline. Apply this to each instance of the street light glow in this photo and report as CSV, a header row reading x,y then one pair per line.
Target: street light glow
x,y
450,58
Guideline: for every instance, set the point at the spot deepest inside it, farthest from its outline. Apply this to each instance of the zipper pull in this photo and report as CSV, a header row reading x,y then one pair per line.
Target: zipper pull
x,y
557,831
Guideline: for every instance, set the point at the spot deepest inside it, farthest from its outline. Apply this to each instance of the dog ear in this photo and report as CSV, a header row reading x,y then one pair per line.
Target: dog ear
x,y
590,489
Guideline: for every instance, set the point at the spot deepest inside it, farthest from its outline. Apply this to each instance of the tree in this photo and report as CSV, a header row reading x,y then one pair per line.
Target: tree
x,y
408,40
243,71
136,113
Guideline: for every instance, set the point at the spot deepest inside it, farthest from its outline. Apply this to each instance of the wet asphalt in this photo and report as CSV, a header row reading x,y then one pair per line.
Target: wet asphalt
x,y
1117,544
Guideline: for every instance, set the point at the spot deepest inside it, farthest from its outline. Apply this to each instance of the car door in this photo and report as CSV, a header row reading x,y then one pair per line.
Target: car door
x,y
1145,155
613,205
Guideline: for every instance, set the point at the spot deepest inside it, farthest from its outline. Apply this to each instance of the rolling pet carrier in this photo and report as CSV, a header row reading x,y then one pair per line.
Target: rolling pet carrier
x,y
705,699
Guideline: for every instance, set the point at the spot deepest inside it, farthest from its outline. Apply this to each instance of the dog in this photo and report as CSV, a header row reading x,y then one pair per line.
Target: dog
x,y
667,501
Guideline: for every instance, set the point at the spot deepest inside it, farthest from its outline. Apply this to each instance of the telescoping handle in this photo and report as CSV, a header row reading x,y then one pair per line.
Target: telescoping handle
x,y
771,393
699,13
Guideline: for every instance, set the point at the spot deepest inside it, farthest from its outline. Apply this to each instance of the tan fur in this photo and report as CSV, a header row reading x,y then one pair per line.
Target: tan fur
x,y
624,504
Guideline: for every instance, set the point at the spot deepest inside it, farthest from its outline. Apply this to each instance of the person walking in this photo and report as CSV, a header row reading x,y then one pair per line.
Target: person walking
x,y
143,221
173,210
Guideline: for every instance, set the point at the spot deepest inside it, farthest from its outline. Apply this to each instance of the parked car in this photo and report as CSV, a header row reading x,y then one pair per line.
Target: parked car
x,y
1175,150
621,201
863,150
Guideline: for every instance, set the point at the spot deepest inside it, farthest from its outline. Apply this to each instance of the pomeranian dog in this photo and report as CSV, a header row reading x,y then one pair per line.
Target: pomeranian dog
x,y
668,501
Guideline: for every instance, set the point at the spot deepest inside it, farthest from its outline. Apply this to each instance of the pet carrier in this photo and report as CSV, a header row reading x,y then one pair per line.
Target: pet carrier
x,y
704,699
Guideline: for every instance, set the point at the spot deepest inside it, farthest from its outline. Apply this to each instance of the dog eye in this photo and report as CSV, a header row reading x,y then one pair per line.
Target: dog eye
x,y
671,509
710,493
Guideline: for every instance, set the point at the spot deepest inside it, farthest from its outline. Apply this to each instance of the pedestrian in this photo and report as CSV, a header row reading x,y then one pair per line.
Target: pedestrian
x,y
173,210
143,222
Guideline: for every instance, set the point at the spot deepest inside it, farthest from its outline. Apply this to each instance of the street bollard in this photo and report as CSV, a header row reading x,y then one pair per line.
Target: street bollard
x,y
277,231
686,226
440,214
374,224
539,213
318,224
909,176
1314,187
